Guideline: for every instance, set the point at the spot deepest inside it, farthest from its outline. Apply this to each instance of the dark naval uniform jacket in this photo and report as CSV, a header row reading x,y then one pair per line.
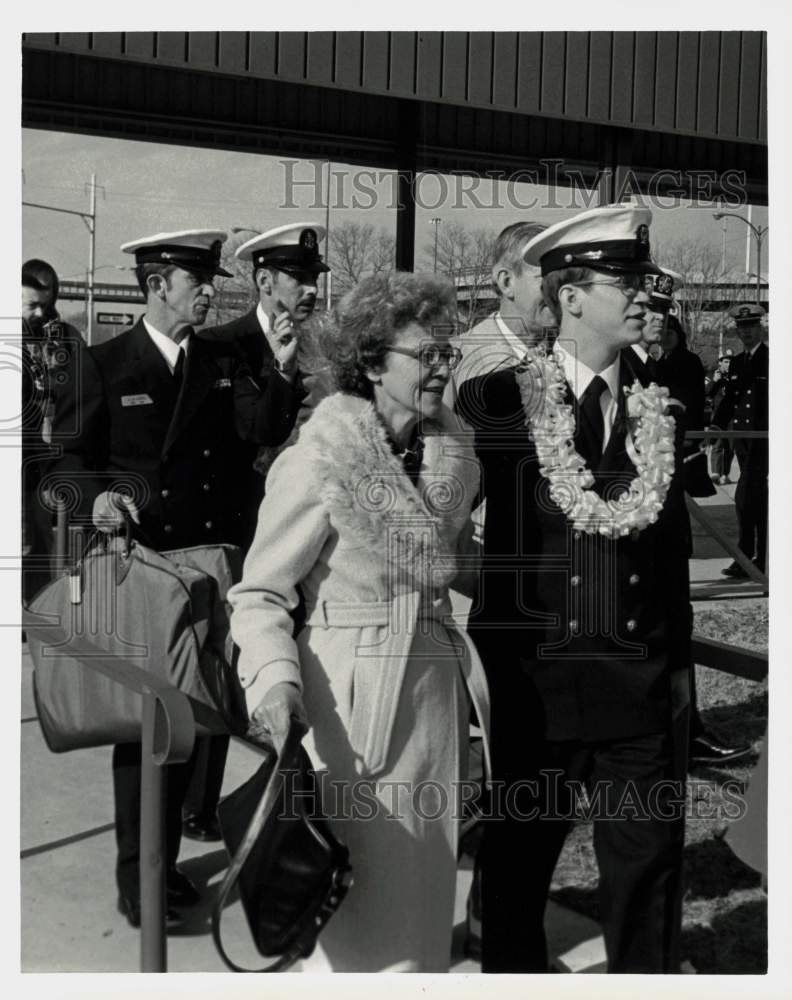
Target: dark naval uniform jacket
x,y
745,396
127,424
251,343
583,630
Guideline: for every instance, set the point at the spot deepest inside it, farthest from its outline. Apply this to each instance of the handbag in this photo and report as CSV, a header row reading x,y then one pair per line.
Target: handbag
x,y
695,475
165,613
291,871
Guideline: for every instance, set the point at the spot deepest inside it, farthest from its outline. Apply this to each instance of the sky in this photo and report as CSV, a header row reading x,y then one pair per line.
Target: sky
x,y
145,188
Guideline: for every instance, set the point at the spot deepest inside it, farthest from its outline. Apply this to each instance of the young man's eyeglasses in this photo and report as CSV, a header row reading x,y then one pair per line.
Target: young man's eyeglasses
x,y
628,284
432,355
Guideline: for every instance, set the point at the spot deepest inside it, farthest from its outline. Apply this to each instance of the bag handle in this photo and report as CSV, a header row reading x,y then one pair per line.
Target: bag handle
x,y
287,759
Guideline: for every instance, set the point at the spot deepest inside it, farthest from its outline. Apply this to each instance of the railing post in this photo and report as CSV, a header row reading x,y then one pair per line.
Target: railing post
x,y
61,537
153,942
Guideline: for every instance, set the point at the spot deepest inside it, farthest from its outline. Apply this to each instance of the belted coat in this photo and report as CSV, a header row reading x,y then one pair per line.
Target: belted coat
x,y
387,679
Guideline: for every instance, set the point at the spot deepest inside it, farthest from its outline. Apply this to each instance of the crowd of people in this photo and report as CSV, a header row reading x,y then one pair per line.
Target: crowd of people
x,y
535,463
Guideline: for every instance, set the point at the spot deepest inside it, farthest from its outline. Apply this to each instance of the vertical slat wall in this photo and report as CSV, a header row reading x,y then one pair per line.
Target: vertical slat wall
x,y
711,83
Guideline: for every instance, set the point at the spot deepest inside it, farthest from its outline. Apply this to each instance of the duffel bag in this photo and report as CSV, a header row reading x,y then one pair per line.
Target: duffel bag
x,y
163,612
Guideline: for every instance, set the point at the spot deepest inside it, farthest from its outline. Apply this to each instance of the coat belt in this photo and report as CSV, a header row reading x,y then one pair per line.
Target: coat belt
x,y
384,666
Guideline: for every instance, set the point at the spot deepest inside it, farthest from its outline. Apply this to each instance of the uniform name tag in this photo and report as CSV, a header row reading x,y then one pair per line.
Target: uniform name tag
x,y
222,383
142,399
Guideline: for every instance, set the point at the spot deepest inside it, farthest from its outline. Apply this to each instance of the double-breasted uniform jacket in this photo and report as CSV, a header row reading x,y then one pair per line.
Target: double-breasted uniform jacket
x,y
745,396
593,633
126,423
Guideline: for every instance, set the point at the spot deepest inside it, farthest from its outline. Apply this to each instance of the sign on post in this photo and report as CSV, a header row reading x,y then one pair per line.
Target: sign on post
x,y
117,319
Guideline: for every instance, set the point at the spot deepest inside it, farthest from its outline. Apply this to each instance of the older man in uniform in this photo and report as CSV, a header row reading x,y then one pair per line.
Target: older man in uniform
x,y
745,405
582,620
286,265
156,410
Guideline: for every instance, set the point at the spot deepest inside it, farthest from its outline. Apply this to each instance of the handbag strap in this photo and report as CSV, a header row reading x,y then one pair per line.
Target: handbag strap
x,y
287,758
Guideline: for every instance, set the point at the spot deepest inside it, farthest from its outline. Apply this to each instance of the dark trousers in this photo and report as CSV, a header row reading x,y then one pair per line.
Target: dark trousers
x,y
722,455
126,785
637,800
203,793
751,500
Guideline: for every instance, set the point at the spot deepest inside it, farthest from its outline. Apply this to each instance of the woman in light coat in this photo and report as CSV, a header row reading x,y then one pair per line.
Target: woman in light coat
x,y
366,515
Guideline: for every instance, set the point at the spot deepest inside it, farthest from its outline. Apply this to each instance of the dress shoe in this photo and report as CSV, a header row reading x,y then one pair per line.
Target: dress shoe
x,y
129,907
735,571
205,828
706,749
180,890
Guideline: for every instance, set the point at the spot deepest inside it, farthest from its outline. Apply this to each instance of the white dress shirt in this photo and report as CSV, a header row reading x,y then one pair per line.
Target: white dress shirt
x,y
168,348
263,319
579,376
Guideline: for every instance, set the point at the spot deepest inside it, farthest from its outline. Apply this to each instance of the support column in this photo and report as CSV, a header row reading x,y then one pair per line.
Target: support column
x,y
406,155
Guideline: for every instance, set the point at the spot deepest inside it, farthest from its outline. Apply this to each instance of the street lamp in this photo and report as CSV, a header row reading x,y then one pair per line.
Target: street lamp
x,y
436,223
759,233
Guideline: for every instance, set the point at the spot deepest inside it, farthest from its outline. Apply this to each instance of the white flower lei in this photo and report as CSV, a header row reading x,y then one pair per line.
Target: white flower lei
x,y
551,423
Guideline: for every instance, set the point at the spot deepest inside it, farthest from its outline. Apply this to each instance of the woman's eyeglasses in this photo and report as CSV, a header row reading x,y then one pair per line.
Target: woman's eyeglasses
x,y
432,355
628,284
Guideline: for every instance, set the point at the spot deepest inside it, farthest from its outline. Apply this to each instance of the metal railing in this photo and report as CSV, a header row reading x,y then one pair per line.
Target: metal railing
x,y
726,657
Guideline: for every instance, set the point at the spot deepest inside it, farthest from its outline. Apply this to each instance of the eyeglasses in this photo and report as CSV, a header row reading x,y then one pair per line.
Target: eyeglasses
x,y
432,355
628,284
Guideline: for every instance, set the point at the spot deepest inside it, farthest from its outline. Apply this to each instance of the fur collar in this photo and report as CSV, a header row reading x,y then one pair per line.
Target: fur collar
x,y
364,486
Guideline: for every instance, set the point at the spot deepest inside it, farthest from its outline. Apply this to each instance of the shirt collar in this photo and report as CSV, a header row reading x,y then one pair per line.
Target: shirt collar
x,y
756,348
641,351
168,348
263,318
579,375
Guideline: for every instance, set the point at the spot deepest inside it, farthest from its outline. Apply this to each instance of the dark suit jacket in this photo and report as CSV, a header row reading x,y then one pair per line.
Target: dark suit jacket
x,y
584,631
122,424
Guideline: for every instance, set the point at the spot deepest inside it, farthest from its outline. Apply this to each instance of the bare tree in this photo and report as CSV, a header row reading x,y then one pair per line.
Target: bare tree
x,y
237,294
465,256
358,250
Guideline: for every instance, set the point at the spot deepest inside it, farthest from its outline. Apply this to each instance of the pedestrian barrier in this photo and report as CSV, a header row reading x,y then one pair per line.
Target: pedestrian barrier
x,y
730,659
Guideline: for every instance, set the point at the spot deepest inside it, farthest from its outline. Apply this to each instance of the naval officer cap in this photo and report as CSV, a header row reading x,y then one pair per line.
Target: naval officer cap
x,y
294,247
746,314
192,250
614,238
661,289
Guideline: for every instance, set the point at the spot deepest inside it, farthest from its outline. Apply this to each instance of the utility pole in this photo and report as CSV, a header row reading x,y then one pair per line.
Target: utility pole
x,y
328,276
436,223
89,218
91,222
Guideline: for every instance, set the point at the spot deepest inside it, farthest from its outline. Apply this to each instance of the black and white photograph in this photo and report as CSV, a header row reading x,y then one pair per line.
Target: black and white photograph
x,y
392,535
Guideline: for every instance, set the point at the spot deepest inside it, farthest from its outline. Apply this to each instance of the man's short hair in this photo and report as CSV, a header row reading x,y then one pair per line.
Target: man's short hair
x,y
509,244
144,271
555,280
40,275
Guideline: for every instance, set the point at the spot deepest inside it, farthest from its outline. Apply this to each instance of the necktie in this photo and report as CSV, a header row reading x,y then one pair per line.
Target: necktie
x,y
178,370
591,425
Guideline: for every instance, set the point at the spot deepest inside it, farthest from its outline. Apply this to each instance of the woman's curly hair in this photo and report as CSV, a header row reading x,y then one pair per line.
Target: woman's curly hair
x,y
367,318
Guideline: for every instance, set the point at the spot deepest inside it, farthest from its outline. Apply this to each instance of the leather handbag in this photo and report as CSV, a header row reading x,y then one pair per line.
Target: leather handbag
x,y
165,613
291,871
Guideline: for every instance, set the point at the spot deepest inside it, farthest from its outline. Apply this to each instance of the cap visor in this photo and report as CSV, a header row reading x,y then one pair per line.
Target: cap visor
x,y
628,267
221,271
